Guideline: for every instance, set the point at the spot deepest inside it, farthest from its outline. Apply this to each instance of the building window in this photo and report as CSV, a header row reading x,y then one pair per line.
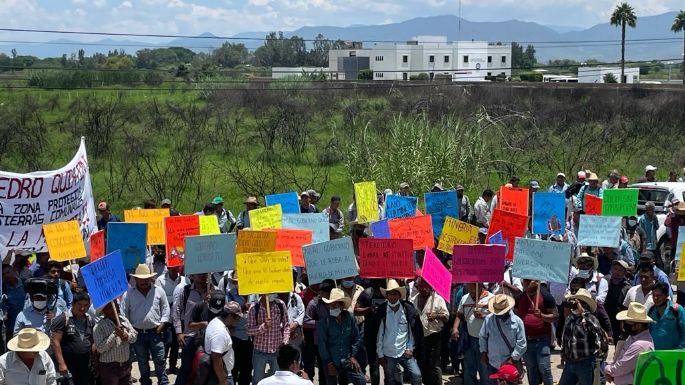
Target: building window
x,y
431,59
447,59
405,59
504,59
405,76
489,59
489,73
379,74
379,58
432,75
466,59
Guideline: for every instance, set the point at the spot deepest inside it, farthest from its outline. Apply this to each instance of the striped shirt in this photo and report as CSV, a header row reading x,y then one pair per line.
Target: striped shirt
x,y
583,338
112,348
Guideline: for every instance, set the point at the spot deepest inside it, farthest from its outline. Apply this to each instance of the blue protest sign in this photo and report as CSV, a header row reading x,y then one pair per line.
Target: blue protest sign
x,y
397,206
549,213
440,205
317,223
288,201
380,229
542,260
330,260
209,253
600,231
131,239
105,278
498,239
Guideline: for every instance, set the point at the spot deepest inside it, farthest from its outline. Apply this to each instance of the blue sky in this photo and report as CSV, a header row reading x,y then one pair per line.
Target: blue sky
x,y
228,17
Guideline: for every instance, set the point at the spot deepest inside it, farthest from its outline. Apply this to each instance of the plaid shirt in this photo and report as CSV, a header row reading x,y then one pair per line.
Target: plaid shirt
x,y
583,338
268,340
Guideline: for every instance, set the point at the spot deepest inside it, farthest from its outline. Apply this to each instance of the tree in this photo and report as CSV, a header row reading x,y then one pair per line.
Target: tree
x,y
521,59
318,55
230,55
279,51
609,78
81,56
623,15
679,26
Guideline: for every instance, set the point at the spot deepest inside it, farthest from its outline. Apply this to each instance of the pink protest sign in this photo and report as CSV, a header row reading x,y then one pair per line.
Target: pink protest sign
x,y
386,258
477,263
437,275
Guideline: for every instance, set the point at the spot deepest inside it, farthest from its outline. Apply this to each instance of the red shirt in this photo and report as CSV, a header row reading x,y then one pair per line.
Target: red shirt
x,y
535,327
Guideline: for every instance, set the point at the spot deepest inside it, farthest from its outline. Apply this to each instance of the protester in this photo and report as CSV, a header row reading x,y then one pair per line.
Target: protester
x,y
166,204
595,283
367,305
269,328
502,338
433,315
618,289
217,342
168,281
13,297
314,197
649,223
241,342
650,174
622,370
106,216
289,372
295,312
482,210
225,217
642,293
251,203
668,329
316,311
38,315
71,335
464,204
404,189
306,207
611,181
26,362
647,259
592,188
473,309
560,186
64,294
336,219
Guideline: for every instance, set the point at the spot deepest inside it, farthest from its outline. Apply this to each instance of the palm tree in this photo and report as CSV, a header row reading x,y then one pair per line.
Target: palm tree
x,y
679,26
623,15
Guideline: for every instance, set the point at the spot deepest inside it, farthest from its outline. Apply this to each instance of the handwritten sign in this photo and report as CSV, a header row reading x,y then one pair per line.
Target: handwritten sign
x,y
288,201
177,228
330,260
600,231
209,253
131,239
418,229
97,245
209,225
549,213
437,275
542,260
660,367
105,278
620,202
269,217
511,225
380,229
255,241
680,267
477,263
593,205
397,206
679,243
155,223
64,240
317,223
386,258
441,205
366,202
514,200
264,273
456,232
292,240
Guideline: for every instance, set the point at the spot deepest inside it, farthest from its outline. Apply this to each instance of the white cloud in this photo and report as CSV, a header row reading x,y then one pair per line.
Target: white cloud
x,y
259,3
126,4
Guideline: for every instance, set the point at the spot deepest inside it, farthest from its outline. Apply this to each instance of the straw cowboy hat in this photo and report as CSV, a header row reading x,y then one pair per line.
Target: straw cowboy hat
x,y
393,285
29,340
500,304
583,295
595,262
636,312
143,272
337,295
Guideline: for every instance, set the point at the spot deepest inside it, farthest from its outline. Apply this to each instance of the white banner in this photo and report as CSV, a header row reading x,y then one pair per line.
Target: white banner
x,y
28,201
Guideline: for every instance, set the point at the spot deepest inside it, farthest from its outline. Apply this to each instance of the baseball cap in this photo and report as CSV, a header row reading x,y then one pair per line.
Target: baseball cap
x,y
534,184
313,193
623,179
174,261
218,200
233,308
404,185
581,175
506,372
216,302
459,188
561,174
303,193
650,168
166,201
622,263
103,205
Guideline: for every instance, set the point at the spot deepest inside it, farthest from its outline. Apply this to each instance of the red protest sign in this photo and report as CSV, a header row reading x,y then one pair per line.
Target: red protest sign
x,y
477,263
514,200
386,258
512,226
593,205
97,245
418,229
177,228
292,240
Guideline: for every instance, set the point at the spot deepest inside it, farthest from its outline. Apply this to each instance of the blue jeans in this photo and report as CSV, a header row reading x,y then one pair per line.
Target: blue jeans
x,y
259,361
150,345
345,377
537,359
487,371
472,364
408,364
578,372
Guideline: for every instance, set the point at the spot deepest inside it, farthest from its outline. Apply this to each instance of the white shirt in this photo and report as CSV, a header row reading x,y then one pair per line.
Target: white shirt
x,y
218,340
434,304
14,371
466,308
168,285
284,378
394,336
483,211
635,294
146,311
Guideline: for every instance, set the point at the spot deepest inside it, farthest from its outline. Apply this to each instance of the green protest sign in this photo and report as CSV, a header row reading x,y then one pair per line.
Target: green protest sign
x,y
619,202
660,367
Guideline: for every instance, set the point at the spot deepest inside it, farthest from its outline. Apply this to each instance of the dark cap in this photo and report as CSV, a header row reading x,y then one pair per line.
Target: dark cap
x,y
327,285
216,302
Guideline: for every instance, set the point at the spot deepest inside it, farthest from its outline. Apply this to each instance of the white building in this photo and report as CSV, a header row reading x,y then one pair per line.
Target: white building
x,y
432,55
596,74
284,72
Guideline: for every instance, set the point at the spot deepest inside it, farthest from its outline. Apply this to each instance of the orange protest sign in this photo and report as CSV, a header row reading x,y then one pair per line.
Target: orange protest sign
x,y
593,205
155,223
512,226
418,229
177,228
292,240
97,245
250,241
514,200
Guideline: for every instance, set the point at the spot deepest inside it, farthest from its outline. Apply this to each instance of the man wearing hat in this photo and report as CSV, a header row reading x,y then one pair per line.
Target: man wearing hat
x,y
560,186
225,217
611,181
618,288
243,222
166,204
622,370
650,174
594,281
464,204
113,336
106,216
592,188
315,313
313,196
404,190
148,310
217,341
306,206
26,362
168,281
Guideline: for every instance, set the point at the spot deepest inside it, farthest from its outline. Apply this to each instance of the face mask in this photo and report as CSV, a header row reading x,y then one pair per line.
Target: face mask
x,y
393,304
632,223
40,305
347,284
335,312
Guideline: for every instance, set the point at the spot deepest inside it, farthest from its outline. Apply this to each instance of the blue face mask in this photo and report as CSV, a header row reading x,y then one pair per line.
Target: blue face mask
x,y
335,312
347,284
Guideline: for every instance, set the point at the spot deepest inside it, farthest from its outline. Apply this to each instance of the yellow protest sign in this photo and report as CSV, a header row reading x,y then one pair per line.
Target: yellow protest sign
x,y
209,225
269,217
366,202
64,241
264,273
681,267
154,218
255,241
456,232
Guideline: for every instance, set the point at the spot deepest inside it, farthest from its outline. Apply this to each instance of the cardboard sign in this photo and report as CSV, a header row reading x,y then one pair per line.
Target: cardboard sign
x,y
177,228
660,367
549,213
386,258
397,206
292,240
437,275
131,239
593,205
97,245
264,273
441,205
679,243
511,225
380,229
418,229
600,231
542,260
209,253
270,217
105,278
680,268
64,241
155,223
209,225
514,200
620,202
330,260
366,202
288,201
497,239
456,232
255,241
317,223
477,263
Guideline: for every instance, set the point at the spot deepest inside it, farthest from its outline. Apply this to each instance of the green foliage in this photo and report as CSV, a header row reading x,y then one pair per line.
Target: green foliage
x,y
521,59
279,51
609,78
421,76
365,74
531,77
623,15
230,55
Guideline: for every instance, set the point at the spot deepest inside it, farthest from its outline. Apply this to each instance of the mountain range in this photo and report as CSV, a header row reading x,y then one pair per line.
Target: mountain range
x,y
600,42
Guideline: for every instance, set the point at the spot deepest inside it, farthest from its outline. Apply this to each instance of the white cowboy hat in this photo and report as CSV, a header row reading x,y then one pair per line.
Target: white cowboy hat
x,y
595,261
337,295
500,304
393,285
636,312
143,272
29,340
583,295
